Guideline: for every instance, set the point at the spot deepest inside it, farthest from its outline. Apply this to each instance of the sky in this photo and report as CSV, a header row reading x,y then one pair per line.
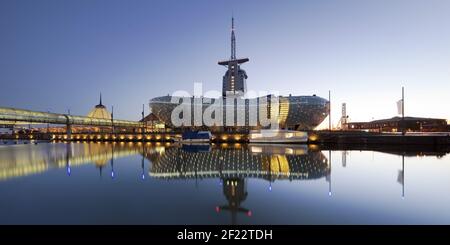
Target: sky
x,y
57,55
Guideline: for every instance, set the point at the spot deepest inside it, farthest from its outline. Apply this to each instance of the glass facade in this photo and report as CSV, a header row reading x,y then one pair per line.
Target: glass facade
x,y
293,112
10,114
233,162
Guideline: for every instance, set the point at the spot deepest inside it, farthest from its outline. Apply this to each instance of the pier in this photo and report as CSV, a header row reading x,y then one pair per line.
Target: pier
x,y
314,137
362,138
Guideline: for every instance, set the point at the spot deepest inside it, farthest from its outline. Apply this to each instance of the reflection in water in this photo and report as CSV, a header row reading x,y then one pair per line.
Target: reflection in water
x,y
232,164
235,192
401,176
270,162
22,160
329,174
344,158
266,162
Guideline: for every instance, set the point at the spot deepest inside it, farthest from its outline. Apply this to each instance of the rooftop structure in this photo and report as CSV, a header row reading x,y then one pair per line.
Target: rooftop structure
x,y
396,124
234,80
100,111
233,112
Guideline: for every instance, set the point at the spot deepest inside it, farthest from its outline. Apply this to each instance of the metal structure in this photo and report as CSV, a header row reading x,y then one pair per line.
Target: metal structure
x,y
233,40
292,112
344,117
29,116
234,79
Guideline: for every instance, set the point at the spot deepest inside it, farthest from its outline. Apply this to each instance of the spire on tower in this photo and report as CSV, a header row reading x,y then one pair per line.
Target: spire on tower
x,y
234,78
233,40
100,104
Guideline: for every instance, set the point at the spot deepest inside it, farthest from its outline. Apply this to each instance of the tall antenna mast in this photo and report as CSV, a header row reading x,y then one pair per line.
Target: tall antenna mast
x,y
233,40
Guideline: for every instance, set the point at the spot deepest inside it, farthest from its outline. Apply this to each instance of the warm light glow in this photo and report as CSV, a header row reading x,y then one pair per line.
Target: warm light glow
x,y
313,137
313,147
289,151
255,149
255,136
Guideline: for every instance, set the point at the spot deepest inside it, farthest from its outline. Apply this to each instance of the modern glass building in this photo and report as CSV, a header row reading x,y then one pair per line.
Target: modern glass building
x,y
234,112
257,161
292,112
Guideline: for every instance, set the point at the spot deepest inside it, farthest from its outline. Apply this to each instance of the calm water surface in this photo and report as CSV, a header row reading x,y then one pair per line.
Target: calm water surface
x,y
133,183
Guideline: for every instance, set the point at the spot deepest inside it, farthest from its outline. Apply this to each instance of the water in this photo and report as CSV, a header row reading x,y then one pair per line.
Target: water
x,y
134,183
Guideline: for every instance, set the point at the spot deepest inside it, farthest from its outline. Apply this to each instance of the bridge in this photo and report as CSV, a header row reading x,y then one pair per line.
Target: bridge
x,y
21,115
12,116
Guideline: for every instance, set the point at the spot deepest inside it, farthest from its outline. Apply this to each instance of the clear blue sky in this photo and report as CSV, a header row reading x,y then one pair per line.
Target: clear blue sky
x,y
61,54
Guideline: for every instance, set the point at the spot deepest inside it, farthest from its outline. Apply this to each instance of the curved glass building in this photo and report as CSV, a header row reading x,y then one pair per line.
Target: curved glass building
x,y
292,112
234,112
256,161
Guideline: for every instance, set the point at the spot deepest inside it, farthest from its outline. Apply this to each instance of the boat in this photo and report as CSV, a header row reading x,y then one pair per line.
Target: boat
x,y
196,137
277,136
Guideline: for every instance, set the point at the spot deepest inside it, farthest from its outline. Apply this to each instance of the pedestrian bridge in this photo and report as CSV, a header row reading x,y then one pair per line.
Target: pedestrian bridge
x,y
28,116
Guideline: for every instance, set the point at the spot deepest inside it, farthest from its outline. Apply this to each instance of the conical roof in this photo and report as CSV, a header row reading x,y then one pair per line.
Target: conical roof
x,y
100,111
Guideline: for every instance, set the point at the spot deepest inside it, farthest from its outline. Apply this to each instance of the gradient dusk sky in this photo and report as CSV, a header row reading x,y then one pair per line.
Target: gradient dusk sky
x,y
60,54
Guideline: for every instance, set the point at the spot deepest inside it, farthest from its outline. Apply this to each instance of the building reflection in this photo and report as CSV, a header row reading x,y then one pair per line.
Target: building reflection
x,y
239,161
235,192
23,160
235,164
232,164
